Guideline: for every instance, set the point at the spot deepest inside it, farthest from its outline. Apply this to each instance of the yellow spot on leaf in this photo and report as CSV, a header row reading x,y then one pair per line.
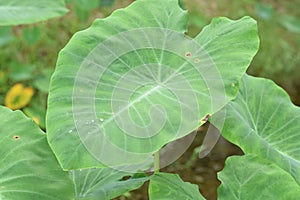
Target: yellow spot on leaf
x,y
197,60
36,120
18,96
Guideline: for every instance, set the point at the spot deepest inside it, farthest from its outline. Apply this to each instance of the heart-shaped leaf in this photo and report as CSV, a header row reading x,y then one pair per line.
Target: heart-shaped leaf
x,y
28,168
263,121
134,82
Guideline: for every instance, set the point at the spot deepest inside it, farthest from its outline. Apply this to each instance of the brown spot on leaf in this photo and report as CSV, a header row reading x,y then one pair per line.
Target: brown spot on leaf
x,y
16,137
188,54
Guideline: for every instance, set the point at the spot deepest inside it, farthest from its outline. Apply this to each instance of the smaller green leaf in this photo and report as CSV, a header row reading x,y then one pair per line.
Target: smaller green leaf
x,y
31,35
263,121
104,183
28,167
164,186
106,2
264,11
81,14
6,35
15,12
251,177
42,80
20,72
291,23
87,5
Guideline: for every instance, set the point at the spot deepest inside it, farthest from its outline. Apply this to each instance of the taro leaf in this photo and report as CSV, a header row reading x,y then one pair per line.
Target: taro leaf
x,y
165,186
134,82
28,168
15,12
251,177
263,121
105,183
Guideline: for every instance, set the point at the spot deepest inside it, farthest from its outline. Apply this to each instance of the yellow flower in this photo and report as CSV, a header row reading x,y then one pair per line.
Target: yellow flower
x,y
18,96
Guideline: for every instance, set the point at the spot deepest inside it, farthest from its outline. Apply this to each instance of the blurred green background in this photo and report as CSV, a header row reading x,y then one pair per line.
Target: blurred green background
x,y
279,30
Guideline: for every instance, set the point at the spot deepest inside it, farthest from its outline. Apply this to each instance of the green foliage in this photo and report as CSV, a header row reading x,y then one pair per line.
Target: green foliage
x,y
5,35
28,168
251,177
31,34
259,115
231,44
278,22
16,12
20,72
291,23
94,184
264,11
106,2
269,129
165,186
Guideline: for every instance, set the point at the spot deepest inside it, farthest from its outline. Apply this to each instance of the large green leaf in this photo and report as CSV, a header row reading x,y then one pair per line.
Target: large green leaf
x,y
263,121
164,186
134,81
14,12
28,168
94,184
250,177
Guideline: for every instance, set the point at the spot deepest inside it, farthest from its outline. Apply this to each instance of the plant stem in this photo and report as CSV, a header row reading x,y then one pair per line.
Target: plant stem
x,y
156,162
